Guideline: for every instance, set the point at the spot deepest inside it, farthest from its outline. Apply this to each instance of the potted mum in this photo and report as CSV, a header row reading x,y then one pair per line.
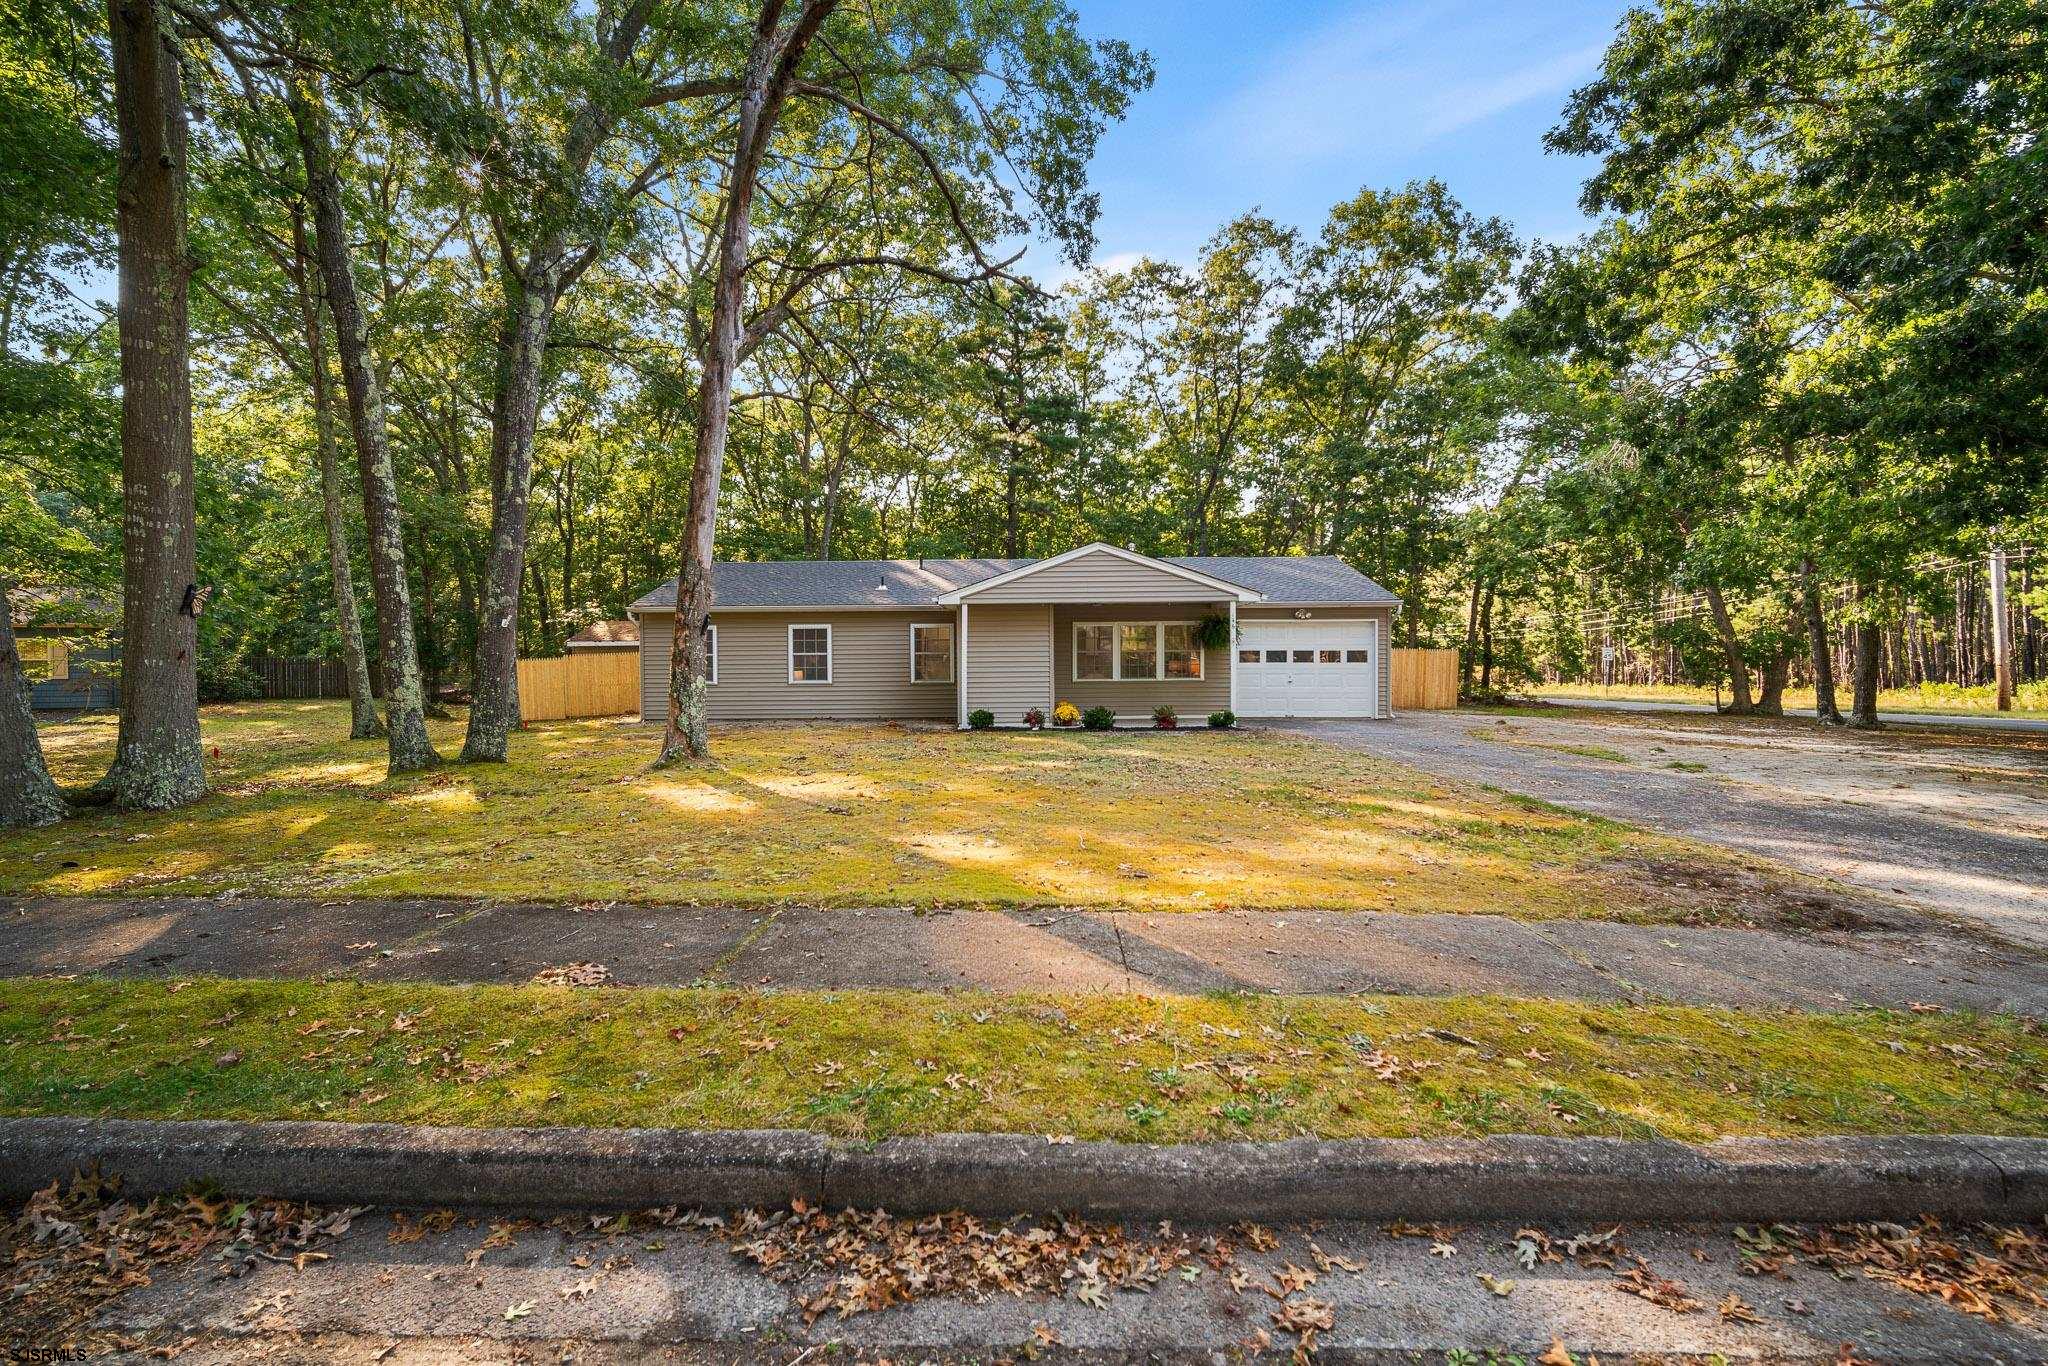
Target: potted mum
x,y
1165,718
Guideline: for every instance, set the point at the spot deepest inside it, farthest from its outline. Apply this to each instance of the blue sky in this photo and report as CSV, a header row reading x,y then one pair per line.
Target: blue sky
x,y
1291,107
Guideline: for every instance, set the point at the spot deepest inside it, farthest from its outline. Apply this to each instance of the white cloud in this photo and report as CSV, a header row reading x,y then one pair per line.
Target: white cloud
x,y
1392,78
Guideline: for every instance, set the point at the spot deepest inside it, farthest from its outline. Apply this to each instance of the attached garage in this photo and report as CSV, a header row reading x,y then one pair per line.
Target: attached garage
x,y
1308,668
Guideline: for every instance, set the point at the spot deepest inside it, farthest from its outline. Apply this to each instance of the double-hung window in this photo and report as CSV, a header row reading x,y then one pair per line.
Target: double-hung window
x,y
1129,651
810,654
1094,651
1137,649
931,652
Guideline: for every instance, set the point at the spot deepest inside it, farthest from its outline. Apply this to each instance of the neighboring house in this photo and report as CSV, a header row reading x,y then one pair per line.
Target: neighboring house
x,y
1096,626
55,636
603,637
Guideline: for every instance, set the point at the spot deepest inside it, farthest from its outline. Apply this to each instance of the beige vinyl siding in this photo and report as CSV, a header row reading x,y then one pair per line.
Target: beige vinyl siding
x,y
1337,612
870,668
1009,660
1097,577
1192,698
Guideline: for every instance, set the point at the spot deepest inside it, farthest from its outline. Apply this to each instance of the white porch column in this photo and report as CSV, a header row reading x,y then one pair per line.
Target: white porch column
x,y
960,672
1230,654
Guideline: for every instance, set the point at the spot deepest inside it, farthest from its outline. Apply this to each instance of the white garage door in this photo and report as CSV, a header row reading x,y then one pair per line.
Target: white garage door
x,y
1308,668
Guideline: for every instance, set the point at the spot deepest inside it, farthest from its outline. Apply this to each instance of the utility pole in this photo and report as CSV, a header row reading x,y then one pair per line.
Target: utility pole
x,y
2001,632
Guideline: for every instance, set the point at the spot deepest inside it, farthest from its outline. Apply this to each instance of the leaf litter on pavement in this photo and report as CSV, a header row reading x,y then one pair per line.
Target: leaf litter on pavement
x,y
70,1250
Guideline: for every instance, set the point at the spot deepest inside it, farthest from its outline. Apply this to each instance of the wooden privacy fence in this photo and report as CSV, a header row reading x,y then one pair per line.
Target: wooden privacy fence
x,y
1425,680
599,683
300,676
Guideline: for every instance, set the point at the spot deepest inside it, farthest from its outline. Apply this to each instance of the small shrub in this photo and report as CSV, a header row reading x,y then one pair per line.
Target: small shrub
x,y
1066,714
1098,718
227,680
1222,720
1035,719
981,718
1165,717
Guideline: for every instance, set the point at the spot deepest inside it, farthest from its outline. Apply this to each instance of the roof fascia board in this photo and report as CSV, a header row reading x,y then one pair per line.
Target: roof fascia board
x,y
929,608
1235,590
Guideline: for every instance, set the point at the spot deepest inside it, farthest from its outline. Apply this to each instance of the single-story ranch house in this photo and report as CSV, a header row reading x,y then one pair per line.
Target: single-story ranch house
x,y
1299,635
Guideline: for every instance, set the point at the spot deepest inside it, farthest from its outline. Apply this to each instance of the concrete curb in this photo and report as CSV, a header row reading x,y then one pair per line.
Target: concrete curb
x,y
1507,1178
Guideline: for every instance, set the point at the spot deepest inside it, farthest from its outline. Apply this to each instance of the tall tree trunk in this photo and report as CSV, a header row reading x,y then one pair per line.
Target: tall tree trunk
x,y
1013,522
362,704
522,345
397,647
1863,694
1469,657
569,541
1731,650
157,760
771,67
1486,642
27,795
543,610
1825,709
1776,670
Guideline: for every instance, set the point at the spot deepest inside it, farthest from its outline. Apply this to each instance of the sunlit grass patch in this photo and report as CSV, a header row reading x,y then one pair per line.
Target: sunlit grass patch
x,y
871,1064
852,815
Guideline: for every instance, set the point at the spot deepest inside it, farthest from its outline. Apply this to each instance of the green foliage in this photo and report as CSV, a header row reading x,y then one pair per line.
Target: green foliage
x,y
1098,718
981,718
227,679
1222,720
1811,324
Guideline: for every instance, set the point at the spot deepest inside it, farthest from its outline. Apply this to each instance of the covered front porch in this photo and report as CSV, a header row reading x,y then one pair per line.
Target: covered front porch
x,y
1131,657
1099,627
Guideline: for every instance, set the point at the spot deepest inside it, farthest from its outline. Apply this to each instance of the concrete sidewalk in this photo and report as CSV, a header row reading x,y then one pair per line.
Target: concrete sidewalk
x,y
1312,952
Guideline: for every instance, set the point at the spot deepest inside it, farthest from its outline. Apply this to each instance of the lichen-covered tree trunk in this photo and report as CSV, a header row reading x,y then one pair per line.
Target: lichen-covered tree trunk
x,y
494,707
1825,709
157,761
363,722
397,647
27,796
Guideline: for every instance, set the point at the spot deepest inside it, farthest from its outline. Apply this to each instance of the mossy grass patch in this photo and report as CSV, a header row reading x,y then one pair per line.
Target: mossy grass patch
x,y
871,1064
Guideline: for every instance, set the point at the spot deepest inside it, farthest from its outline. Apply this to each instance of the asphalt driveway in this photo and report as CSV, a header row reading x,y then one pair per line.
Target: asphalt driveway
x,y
1962,831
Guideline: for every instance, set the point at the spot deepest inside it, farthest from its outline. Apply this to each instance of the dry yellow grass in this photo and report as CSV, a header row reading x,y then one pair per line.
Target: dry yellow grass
x,y
862,815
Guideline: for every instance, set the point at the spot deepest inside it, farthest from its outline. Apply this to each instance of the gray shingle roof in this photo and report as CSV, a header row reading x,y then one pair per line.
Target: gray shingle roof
x,y
919,583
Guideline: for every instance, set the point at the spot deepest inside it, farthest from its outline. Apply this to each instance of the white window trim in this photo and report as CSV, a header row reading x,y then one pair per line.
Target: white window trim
x,y
1116,653
789,652
952,653
711,645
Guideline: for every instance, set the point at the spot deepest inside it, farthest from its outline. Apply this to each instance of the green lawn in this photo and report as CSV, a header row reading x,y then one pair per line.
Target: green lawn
x,y
2029,699
870,1064
867,815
